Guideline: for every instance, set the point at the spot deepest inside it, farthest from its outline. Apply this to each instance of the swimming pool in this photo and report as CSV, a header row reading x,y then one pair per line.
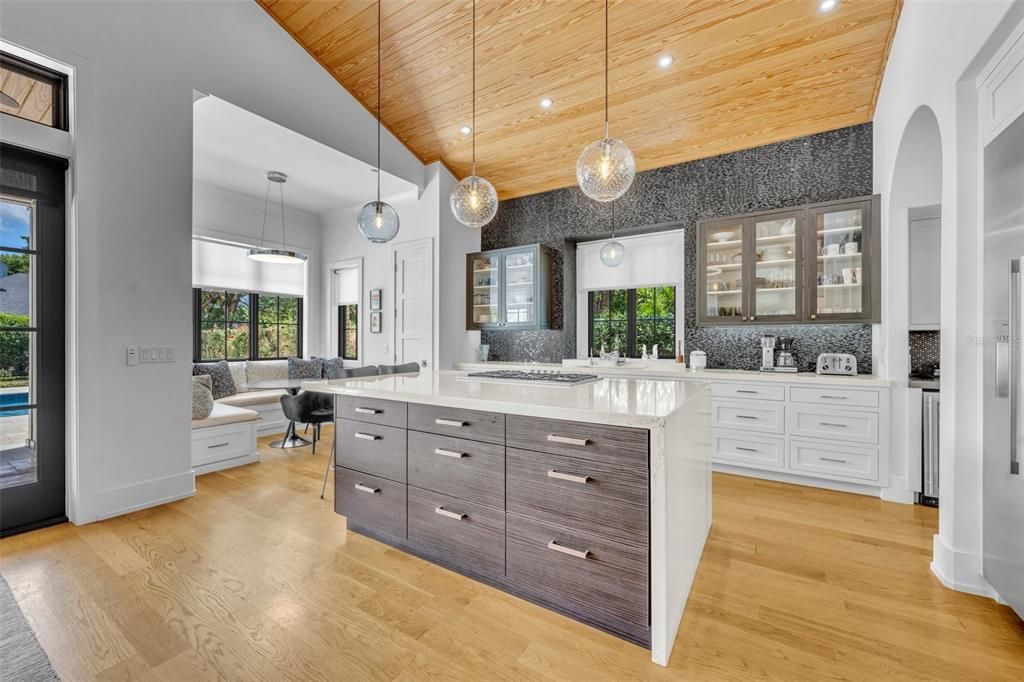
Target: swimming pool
x,y
19,398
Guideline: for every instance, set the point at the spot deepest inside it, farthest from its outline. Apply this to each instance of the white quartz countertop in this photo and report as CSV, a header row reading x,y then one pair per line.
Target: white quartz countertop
x,y
669,369
640,402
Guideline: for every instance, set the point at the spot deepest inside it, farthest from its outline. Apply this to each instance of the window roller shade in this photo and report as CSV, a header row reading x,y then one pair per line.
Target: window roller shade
x,y
226,266
346,286
651,260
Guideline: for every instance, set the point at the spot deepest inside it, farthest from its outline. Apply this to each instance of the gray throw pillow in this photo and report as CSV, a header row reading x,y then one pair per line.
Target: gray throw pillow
x,y
305,369
332,363
220,374
202,396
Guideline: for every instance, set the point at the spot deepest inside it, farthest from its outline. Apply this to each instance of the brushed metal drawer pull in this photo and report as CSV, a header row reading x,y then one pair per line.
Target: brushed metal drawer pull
x,y
743,449
366,436
218,445
365,488
554,473
449,453
367,410
838,426
746,416
832,459
744,390
449,422
834,397
567,441
450,514
585,554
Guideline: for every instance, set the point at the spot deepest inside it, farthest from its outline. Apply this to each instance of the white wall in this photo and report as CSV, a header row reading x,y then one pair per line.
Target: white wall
x,y
937,51
136,66
222,214
456,344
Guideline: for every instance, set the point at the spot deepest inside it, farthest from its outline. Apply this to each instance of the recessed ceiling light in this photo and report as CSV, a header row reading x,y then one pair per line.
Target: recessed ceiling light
x,y
827,5
547,103
665,61
465,130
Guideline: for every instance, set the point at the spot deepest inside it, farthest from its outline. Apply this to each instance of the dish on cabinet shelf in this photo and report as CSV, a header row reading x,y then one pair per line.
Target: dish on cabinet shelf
x,y
721,237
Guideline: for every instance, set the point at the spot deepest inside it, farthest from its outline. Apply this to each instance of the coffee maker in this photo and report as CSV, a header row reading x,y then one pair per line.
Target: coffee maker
x,y
767,353
786,361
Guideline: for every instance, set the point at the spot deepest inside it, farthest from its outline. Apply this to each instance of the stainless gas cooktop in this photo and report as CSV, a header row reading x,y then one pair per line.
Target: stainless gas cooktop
x,y
546,377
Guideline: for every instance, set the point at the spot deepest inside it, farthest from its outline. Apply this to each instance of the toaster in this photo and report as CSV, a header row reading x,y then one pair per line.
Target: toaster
x,y
836,363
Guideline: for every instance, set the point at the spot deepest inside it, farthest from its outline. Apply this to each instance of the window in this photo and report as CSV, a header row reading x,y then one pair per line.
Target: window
x,y
33,93
348,331
231,325
628,319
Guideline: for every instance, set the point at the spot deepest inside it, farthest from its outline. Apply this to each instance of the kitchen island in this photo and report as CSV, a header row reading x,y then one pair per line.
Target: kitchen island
x,y
592,500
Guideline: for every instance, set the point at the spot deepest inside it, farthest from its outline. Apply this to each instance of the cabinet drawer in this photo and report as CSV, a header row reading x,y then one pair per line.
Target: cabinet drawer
x,y
829,459
462,468
370,503
488,427
594,579
599,498
224,443
751,451
847,425
463,534
617,445
372,410
372,449
833,396
748,391
764,417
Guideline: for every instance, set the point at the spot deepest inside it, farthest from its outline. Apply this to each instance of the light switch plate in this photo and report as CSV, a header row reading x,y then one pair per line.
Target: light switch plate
x,y
132,355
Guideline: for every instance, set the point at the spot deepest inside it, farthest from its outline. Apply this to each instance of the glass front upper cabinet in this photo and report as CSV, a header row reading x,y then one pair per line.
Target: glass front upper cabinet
x,y
842,239
777,289
509,288
721,277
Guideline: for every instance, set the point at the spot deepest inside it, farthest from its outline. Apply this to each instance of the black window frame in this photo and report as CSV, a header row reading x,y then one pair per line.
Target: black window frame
x,y
343,330
58,80
632,350
253,322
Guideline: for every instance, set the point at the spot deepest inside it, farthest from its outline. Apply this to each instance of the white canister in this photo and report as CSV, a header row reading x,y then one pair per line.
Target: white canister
x,y
698,360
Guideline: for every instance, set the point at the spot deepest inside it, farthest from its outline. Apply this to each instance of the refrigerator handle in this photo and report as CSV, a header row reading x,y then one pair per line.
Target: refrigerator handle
x,y
1015,350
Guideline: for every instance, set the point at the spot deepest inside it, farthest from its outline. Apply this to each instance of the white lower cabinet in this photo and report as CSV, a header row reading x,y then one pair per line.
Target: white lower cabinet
x,y
825,432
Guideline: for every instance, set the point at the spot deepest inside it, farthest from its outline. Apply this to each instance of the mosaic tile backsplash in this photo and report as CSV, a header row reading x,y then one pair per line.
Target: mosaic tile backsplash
x,y
924,348
823,167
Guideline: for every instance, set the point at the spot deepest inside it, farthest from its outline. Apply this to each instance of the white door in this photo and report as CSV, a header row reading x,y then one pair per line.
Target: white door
x,y
414,302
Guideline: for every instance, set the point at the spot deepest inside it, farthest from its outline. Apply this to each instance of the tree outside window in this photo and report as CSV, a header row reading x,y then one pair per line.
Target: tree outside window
x,y
628,319
348,331
233,325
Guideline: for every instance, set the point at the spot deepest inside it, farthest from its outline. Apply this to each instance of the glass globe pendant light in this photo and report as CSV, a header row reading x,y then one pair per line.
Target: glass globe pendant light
x,y
283,255
606,168
378,220
474,201
613,251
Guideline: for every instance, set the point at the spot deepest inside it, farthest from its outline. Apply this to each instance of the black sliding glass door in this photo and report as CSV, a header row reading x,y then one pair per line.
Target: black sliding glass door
x,y
32,347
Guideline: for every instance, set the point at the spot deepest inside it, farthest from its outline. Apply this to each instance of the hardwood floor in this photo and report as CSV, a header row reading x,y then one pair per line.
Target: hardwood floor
x,y
256,578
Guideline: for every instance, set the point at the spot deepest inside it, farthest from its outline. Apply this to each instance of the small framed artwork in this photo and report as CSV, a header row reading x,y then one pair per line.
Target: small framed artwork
x,y
374,299
375,323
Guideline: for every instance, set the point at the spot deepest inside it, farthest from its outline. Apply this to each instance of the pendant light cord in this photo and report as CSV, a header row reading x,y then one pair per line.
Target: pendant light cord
x,y
284,238
606,69
379,3
266,203
473,123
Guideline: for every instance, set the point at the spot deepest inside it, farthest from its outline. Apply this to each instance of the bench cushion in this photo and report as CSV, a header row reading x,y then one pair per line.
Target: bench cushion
x,y
225,414
248,398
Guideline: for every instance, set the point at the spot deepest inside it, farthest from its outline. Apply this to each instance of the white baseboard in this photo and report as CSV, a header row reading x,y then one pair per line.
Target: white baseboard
x,y
958,570
898,491
783,477
151,493
251,458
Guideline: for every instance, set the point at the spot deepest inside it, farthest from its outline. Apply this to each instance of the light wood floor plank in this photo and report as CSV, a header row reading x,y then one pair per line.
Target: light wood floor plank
x,y
256,578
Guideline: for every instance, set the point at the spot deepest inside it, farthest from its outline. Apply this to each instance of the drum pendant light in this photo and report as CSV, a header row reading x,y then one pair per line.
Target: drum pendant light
x,y
378,220
474,201
282,255
606,168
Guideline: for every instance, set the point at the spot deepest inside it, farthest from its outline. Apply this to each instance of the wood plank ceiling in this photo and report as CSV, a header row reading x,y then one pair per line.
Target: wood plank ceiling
x,y
746,73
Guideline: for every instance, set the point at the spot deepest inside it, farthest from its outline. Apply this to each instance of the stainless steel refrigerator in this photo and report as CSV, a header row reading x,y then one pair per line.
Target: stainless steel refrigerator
x,y
1003,310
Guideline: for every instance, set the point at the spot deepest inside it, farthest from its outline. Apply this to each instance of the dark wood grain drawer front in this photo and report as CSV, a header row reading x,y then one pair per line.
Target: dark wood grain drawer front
x,y
370,502
463,534
372,449
372,410
597,580
466,469
596,497
488,427
599,442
